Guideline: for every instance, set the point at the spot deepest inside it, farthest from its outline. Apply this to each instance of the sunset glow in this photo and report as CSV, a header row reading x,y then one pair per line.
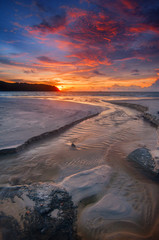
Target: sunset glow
x,y
89,45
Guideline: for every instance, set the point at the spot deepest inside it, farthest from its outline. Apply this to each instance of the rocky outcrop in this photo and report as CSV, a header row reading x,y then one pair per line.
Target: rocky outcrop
x,y
49,211
144,158
37,212
151,118
137,107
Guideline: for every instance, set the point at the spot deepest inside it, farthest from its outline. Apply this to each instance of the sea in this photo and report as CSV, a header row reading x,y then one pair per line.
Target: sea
x,y
109,94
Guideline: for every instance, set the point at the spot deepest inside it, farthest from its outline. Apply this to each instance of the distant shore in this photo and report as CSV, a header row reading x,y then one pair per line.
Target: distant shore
x,y
19,87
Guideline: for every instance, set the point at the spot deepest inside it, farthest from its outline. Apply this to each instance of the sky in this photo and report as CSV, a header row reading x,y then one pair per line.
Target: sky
x,y
81,45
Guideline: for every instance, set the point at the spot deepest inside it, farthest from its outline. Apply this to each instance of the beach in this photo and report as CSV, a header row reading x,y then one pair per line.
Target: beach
x,y
79,120
26,119
85,165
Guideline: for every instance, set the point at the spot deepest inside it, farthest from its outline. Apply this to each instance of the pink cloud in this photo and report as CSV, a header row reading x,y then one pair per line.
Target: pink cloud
x,y
131,5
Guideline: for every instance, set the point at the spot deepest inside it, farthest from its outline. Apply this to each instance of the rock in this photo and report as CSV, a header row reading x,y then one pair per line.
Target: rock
x,y
153,119
144,158
49,211
73,145
39,211
54,213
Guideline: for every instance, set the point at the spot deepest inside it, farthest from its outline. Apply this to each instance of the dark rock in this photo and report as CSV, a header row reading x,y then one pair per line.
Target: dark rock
x,y
154,120
32,219
143,157
73,145
44,211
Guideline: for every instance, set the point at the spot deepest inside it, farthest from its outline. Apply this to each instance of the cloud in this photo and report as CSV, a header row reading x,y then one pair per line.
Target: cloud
x,y
50,63
17,80
49,25
135,72
29,71
5,60
131,5
117,87
87,39
96,72
154,86
13,63
46,59
101,36
90,30
93,28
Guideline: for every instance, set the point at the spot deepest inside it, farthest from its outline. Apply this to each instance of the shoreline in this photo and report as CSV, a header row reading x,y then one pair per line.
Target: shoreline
x,y
143,109
147,159
45,135
71,206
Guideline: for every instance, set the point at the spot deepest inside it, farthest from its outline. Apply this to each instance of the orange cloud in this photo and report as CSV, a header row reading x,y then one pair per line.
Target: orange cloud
x,y
131,58
68,44
143,28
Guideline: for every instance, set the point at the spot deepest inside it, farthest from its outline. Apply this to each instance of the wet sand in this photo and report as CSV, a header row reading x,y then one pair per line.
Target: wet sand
x,y
26,120
115,200
149,108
